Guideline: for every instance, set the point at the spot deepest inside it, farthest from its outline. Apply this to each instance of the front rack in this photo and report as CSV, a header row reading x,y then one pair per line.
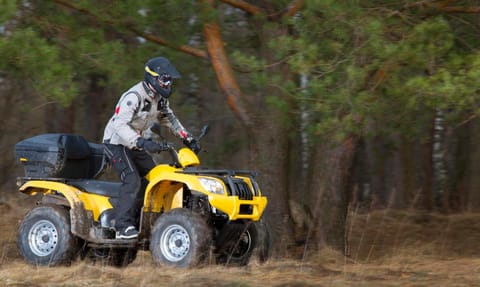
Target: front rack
x,y
230,172
235,187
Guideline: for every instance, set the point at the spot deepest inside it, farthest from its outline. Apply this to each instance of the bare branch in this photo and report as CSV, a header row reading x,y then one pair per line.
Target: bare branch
x,y
247,7
182,48
459,9
444,3
294,7
150,37
290,11
72,6
442,6
223,71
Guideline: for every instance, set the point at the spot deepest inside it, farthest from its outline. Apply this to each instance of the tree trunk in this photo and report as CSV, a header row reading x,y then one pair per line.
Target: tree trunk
x,y
375,152
398,194
268,150
60,119
459,151
473,170
426,192
406,155
439,160
329,188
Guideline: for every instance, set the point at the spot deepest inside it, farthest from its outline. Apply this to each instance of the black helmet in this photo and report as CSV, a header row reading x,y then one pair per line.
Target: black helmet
x,y
159,73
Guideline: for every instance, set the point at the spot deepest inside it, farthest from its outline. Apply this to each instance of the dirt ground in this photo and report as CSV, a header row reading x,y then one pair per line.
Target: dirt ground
x,y
387,248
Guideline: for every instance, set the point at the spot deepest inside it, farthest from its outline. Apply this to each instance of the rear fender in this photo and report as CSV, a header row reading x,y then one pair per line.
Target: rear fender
x,y
92,202
33,187
80,219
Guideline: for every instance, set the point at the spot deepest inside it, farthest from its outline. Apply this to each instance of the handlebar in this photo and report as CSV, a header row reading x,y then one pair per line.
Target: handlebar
x,y
173,151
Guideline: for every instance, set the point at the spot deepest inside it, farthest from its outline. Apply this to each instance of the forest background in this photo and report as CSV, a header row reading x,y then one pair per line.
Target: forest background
x,y
341,106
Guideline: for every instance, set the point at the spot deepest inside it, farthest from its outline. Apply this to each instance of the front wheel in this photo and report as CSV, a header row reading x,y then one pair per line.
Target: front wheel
x,y
44,236
180,238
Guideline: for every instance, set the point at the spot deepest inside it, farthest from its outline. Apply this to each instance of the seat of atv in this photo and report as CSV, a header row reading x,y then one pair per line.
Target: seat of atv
x,y
100,187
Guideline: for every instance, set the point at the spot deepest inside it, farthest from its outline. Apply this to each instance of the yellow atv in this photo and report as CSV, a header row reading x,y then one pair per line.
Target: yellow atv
x,y
189,215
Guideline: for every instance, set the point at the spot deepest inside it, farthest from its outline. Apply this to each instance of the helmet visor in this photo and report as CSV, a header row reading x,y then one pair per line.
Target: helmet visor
x,y
165,81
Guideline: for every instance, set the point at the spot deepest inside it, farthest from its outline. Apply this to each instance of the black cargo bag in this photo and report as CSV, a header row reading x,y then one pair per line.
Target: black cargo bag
x,y
59,156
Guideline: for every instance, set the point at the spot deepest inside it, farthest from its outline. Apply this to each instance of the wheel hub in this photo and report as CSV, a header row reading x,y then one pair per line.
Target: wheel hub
x,y
175,243
178,243
43,238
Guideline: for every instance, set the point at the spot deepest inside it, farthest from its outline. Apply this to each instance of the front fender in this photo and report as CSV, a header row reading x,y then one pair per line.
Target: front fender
x,y
165,192
165,188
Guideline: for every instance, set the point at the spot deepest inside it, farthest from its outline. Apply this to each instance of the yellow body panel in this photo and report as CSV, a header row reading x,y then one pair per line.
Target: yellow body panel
x,y
42,186
231,206
165,192
91,202
165,188
95,203
187,157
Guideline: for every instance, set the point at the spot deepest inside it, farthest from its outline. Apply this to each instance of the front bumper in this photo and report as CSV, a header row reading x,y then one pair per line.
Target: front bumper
x,y
243,198
237,208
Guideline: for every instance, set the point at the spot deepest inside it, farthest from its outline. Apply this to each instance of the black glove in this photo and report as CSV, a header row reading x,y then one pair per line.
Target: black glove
x,y
152,147
193,144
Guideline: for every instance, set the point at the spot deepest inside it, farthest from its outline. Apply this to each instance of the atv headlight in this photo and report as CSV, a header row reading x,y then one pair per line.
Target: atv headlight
x,y
212,185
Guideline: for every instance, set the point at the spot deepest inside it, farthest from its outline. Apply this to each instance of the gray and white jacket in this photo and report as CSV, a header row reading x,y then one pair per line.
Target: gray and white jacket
x,y
137,110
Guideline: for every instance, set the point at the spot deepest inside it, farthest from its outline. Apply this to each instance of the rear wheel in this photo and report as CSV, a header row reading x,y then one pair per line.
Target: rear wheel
x,y
264,241
44,236
236,246
180,238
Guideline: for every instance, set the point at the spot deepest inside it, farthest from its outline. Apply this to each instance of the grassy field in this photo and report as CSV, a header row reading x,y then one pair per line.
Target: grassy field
x,y
387,248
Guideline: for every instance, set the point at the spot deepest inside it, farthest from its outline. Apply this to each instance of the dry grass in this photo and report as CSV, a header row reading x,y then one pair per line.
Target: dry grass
x,y
388,248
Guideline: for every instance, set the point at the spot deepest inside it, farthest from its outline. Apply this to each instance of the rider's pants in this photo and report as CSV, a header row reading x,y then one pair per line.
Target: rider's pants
x,y
131,166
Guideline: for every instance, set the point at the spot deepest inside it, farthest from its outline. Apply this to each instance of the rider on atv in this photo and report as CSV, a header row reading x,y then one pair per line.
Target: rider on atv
x,y
126,138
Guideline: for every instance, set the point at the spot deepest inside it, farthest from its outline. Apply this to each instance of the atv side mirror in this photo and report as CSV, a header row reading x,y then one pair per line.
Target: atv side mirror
x,y
204,131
